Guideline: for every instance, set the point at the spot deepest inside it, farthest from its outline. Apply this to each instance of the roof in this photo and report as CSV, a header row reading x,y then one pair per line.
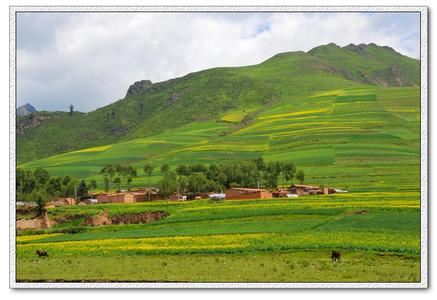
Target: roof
x,y
303,186
138,193
250,190
280,192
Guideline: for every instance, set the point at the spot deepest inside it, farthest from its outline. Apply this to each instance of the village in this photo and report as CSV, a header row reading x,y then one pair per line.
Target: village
x,y
152,194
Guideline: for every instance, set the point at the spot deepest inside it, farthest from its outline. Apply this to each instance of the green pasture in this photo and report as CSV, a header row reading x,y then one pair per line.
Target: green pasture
x,y
290,240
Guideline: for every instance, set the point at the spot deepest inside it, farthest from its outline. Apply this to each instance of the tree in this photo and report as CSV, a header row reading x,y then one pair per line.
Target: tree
x,y
82,190
167,185
108,172
106,183
260,166
198,168
300,176
117,181
54,187
93,184
41,176
71,110
66,180
271,175
183,184
289,171
69,189
148,170
165,168
129,173
40,199
25,183
183,170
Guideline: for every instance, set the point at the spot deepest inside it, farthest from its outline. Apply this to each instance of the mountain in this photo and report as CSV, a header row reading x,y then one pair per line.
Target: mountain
x,y
371,64
25,110
231,98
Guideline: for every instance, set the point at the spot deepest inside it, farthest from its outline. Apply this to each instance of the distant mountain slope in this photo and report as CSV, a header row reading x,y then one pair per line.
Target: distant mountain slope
x,y
149,109
25,110
371,64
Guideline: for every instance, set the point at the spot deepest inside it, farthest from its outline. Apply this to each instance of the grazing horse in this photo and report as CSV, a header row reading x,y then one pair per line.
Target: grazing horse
x,y
42,253
335,255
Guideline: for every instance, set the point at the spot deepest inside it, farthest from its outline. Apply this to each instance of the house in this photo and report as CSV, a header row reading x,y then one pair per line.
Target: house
x,y
131,197
89,201
112,198
302,189
247,193
138,195
280,194
59,202
177,196
151,194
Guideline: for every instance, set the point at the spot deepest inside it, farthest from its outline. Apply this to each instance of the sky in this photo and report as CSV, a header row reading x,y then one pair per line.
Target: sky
x,y
90,59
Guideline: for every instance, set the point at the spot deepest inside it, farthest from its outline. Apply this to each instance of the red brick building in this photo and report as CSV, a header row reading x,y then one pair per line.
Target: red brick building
x,y
247,193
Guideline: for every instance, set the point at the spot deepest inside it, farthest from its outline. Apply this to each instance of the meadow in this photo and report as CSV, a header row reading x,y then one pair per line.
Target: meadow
x,y
202,241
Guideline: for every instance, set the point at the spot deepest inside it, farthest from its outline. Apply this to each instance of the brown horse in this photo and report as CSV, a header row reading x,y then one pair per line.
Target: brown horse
x,y
42,253
335,255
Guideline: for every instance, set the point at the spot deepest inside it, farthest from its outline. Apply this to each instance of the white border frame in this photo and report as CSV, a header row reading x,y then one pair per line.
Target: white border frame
x,y
423,10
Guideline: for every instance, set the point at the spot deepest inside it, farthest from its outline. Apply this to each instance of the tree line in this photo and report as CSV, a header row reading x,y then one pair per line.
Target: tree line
x,y
38,186
200,178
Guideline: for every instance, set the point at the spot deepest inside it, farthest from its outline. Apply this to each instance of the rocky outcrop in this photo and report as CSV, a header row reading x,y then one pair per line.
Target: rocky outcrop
x,y
139,87
37,223
140,218
99,220
31,121
25,110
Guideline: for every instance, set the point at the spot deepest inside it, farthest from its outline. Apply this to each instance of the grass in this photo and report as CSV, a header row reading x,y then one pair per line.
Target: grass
x,y
383,237
300,266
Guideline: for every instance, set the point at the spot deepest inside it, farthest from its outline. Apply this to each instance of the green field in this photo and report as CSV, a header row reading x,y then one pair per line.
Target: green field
x,y
361,145
276,240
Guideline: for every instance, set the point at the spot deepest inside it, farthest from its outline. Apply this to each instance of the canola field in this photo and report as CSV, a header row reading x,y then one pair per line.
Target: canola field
x,y
374,232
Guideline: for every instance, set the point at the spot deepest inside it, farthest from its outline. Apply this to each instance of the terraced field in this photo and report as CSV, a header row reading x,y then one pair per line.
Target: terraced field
x,y
281,238
360,139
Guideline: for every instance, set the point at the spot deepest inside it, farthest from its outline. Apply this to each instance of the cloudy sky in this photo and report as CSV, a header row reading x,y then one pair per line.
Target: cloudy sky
x,y
90,59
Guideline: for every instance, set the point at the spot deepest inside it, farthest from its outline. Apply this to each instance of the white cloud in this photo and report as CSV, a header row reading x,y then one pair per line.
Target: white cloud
x,y
89,60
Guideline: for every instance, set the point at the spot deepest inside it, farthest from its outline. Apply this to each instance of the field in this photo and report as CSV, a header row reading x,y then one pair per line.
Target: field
x,y
203,241
364,144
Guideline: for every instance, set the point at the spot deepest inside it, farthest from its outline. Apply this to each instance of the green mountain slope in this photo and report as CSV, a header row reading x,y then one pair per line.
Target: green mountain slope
x,y
239,95
357,138
371,64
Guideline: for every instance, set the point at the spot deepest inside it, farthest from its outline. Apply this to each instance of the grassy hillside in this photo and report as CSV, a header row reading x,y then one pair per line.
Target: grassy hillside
x,y
371,64
207,96
359,138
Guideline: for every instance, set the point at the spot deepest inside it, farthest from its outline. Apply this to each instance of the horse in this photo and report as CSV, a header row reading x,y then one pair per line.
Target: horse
x,y
335,255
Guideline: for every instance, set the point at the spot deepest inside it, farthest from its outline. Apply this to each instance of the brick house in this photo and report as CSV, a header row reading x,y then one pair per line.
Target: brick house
x,y
247,193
